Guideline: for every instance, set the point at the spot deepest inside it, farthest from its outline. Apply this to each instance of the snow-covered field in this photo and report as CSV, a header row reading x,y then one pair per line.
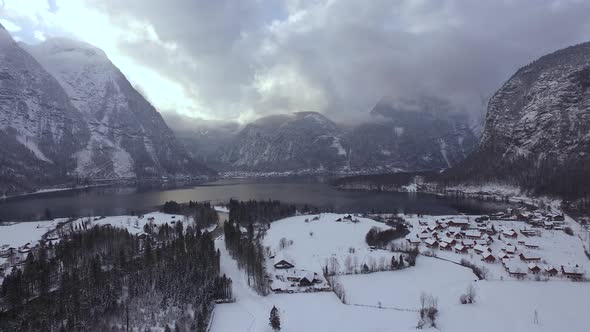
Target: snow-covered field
x,y
401,289
387,301
316,241
501,305
299,312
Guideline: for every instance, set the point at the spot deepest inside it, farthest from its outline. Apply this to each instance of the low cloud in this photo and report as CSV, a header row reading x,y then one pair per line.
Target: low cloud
x,y
238,60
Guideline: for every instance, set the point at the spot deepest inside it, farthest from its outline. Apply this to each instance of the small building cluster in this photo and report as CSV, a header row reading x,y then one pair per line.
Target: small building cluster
x,y
287,279
516,248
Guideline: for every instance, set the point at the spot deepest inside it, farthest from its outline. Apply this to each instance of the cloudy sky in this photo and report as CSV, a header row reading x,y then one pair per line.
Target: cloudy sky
x,y
239,59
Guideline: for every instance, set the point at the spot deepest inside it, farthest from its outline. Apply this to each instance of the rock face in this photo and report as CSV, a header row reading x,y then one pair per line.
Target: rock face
x,y
128,137
40,129
397,138
417,134
66,112
537,131
304,140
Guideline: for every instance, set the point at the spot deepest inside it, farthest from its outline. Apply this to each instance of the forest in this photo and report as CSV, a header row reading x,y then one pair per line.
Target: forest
x,y
202,212
253,211
105,279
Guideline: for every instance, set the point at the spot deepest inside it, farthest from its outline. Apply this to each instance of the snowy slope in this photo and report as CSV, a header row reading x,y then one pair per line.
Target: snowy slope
x,y
537,127
295,141
128,138
40,129
413,134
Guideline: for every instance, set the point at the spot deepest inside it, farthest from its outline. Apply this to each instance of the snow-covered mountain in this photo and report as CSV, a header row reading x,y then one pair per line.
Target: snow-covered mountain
x,y
67,112
128,137
413,134
537,130
396,138
40,129
298,141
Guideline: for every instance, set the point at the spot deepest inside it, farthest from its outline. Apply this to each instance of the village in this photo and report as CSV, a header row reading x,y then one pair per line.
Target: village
x,y
511,245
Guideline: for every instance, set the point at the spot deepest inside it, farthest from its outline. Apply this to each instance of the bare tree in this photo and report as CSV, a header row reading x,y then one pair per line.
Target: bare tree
x,y
428,311
469,296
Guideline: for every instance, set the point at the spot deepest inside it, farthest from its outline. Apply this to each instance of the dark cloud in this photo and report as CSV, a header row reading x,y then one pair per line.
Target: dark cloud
x,y
339,57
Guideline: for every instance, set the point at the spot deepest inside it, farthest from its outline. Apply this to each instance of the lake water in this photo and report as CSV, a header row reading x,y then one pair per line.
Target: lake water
x,y
314,191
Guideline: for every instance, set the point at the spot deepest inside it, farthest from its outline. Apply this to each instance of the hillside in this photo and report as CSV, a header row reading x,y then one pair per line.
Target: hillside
x,y
537,128
128,137
40,129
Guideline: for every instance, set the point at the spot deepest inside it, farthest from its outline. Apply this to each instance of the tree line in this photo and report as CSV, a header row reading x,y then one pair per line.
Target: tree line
x,y
203,213
104,278
253,211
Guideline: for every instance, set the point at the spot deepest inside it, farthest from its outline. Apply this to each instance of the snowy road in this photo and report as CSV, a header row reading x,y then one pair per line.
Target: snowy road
x,y
250,311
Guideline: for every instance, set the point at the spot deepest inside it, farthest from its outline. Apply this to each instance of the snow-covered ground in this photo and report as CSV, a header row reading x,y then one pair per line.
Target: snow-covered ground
x,y
401,289
299,312
317,241
501,305
387,301
555,247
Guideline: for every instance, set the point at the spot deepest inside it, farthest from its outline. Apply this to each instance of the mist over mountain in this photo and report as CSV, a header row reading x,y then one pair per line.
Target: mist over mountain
x,y
537,128
422,133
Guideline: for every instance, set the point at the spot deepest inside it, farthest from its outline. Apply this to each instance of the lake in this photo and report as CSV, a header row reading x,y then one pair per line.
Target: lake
x,y
302,190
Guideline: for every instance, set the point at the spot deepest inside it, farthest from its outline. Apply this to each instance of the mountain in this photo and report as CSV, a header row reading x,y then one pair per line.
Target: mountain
x,y
537,130
205,140
420,133
298,141
40,129
426,134
128,137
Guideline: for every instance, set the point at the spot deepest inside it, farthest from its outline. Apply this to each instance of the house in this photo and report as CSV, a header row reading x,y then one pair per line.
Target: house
x,y
461,223
528,232
445,246
481,249
448,240
488,257
468,243
472,234
502,255
509,249
451,231
482,242
548,224
510,233
550,270
431,243
432,228
412,240
515,271
482,218
534,268
573,272
460,249
283,262
308,280
529,257
531,245
522,242
424,236
422,222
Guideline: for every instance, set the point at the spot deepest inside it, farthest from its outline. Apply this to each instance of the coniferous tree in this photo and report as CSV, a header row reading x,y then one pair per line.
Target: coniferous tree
x,y
275,320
